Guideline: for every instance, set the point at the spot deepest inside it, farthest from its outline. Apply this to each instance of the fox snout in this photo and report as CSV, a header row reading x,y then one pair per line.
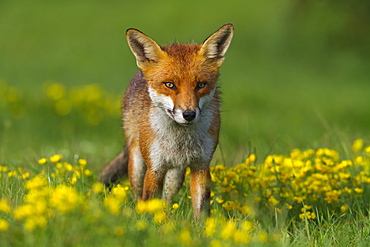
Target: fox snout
x,y
186,117
189,115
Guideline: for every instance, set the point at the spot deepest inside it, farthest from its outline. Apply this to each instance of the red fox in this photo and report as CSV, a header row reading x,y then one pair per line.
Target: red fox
x,y
171,118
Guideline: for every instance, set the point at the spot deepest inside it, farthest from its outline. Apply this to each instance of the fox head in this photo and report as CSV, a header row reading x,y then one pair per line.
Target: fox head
x,y
181,77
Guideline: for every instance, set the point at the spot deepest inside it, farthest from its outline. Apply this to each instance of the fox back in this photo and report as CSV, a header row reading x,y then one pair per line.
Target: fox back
x,y
171,117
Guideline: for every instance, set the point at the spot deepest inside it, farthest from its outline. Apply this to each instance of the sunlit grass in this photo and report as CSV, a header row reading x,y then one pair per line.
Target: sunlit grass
x,y
295,78
272,203
276,200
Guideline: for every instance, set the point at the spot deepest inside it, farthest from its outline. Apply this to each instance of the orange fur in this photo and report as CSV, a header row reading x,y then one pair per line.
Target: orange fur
x,y
171,116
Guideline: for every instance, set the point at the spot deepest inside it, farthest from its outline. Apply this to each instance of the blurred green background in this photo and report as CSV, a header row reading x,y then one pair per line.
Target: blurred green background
x,y
297,74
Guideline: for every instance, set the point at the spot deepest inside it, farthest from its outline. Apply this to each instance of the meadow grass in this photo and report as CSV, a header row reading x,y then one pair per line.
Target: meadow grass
x,y
313,196
61,202
287,172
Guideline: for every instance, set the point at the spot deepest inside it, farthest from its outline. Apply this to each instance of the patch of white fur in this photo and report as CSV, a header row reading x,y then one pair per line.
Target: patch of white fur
x,y
166,103
179,117
198,195
138,172
178,146
160,100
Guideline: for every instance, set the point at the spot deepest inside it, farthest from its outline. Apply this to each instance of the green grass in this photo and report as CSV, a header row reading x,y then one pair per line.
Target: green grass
x,y
296,76
59,201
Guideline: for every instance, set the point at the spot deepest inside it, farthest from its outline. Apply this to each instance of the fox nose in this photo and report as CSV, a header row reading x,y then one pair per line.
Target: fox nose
x,y
189,115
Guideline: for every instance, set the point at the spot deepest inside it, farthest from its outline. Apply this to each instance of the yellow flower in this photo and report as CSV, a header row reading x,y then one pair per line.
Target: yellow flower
x,y
112,204
159,217
36,182
367,149
23,211
305,208
55,91
87,173
119,231
276,237
65,198
175,206
12,174
245,209
30,224
219,200
82,162
272,201
307,215
150,206
357,145
25,175
344,208
141,224
68,167
154,205
40,207
247,225
210,227
4,206
241,237
228,230
127,212
73,179
216,243
288,206
359,160
120,193
185,237
98,188
358,190
42,161
262,237
141,207
168,227
63,107
313,215
229,205
37,195
250,159
4,225
77,173
3,169
56,158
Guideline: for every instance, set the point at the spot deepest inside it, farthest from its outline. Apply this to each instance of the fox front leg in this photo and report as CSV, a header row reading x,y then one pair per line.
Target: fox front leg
x,y
172,183
136,170
200,189
153,184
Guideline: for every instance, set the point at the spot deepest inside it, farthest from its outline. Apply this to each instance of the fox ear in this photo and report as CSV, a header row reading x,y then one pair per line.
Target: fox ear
x,y
216,45
144,48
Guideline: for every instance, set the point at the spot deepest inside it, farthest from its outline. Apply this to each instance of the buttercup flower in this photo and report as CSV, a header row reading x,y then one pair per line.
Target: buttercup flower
x,y
4,206
4,225
56,158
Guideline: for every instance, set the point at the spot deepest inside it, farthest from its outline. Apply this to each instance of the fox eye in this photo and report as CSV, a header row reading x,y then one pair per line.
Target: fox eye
x,y
169,85
201,85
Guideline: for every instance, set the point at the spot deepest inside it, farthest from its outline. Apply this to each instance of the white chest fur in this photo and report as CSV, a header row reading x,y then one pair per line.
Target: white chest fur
x,y
178,146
